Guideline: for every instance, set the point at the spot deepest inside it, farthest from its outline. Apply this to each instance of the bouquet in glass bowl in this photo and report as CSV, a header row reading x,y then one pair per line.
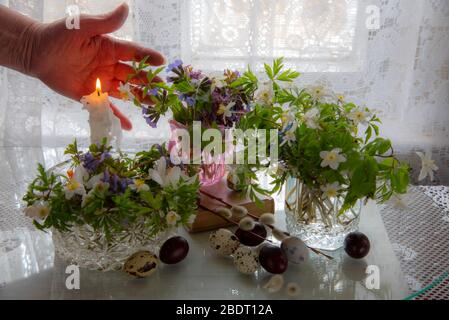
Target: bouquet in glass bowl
x,y
102,207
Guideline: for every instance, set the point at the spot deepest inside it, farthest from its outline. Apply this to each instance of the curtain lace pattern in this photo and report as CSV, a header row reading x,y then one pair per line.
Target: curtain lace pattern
x,y
400,69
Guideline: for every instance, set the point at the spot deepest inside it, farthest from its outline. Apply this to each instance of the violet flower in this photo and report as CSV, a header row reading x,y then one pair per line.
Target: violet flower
x,y
174,65
149,119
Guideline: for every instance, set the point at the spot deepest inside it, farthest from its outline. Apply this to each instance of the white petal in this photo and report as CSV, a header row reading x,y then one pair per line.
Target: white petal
x,y
334,165
174,175
324,163
323,154
422,174
157,177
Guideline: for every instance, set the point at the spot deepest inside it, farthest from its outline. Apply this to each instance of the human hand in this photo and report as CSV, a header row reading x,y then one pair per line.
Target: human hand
x,y
70,60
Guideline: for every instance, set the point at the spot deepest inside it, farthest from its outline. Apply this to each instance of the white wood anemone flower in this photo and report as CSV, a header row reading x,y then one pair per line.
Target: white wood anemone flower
x,y
332,158
226,110
428,166
317,92
311,118
94,180
74,187
139,185
359,116
289,137
172,218
38,210
125,92
264,94
164,176
330,190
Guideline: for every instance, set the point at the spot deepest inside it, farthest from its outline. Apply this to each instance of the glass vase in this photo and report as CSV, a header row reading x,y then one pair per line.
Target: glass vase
x,y
88,248
316,219
212,168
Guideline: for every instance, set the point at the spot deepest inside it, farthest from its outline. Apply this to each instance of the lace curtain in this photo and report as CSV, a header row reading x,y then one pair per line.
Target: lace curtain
x,y
400,69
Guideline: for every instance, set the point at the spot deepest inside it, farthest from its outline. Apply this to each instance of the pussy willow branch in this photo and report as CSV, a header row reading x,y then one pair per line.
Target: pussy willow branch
x,y
233,222
256,218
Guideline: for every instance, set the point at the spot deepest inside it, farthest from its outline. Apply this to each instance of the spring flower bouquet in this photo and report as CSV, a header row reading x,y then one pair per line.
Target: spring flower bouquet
x,y
102,207
192,97
330,156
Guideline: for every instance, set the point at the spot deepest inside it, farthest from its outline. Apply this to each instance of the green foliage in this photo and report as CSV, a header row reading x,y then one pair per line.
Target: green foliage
x,y
370,169
105,205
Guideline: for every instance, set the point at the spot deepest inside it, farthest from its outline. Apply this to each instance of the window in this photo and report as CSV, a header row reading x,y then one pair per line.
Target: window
x,y
312,36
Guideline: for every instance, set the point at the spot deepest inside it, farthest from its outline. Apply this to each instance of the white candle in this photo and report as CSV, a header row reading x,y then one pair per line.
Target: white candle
x,y
102,122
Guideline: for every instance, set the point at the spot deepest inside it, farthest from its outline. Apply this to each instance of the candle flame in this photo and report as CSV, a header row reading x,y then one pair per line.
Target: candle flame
x,y
98,86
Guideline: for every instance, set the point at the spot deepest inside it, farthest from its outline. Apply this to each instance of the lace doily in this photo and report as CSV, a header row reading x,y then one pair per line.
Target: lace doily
x,y
419,235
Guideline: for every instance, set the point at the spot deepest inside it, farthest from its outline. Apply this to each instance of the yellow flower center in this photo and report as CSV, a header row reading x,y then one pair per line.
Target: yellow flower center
x,y
221,109
331,156
73,185
43,212
331,193
359,115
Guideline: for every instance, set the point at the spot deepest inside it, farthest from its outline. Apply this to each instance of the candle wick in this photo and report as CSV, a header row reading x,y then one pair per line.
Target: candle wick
x,y
98,92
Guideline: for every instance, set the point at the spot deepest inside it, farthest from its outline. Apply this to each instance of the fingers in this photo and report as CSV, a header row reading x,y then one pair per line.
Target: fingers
x,y
122,70
124,121
94,25
131,51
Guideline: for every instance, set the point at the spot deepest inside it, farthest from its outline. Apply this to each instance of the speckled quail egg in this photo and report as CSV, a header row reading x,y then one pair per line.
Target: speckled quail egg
x,y
141,264
224,242
295,250
246,260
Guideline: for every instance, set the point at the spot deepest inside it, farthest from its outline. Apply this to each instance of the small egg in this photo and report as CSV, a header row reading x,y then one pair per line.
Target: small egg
x,y
254,237
174,250
273,259
224,242
246,260
295,250
141,264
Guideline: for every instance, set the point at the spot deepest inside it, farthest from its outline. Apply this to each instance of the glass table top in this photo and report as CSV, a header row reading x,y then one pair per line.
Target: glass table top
x,y
29,268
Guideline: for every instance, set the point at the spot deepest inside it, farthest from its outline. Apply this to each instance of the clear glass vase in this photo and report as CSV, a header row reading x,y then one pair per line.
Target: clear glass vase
x,y
315,219
90,249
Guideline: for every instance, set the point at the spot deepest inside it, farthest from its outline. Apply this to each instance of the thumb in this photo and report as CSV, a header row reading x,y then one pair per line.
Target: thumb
x,y
105,23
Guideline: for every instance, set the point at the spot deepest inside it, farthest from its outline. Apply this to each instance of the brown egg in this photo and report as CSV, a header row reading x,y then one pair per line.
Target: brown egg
x,y
254,237
141,264
273,259
174,250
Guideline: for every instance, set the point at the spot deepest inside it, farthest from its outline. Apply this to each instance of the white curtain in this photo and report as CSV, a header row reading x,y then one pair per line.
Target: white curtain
x,y
400,69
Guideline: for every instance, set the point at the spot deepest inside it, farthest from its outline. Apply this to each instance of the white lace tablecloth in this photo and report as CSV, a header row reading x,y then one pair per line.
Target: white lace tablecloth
x,y
419,234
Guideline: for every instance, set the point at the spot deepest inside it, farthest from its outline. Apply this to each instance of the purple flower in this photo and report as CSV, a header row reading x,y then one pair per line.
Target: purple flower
x,y
151,121
174,65
105,155
153,92
89,162
196,75
188,99
106,176
116,184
